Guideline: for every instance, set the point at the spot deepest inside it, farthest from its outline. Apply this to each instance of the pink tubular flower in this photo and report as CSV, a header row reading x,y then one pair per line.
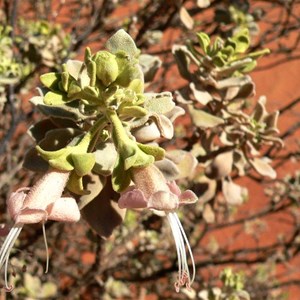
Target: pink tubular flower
x,y
43,202
152,191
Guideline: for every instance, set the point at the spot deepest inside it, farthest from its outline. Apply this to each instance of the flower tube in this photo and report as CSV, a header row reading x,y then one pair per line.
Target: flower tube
x,y
42,202
151,190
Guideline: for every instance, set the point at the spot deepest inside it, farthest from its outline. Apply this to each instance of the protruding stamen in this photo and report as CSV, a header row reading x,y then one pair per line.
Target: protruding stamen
x,y
47,250
181,241
7,287
178,248
189,248
6,248
9,242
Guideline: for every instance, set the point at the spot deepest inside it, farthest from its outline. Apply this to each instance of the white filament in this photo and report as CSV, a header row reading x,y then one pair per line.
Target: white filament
x,y
46,247
5,272
7,246
175,234
180,238
9,243
188,246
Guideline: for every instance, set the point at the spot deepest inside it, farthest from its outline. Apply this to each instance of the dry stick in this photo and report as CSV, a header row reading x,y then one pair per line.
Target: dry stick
x,y
264,212
289,105
149,18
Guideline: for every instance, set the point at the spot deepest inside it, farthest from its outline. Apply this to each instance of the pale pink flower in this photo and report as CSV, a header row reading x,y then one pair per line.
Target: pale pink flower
x,y
42,202
151,190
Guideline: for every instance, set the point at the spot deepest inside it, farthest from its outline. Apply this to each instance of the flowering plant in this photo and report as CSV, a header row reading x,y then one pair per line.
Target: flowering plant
x,y
100,124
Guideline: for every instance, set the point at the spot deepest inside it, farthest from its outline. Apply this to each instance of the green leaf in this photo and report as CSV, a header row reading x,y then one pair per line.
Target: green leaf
x,y
204,41
157,152
219,60
61,163
87,55
73,67
230,42
105,156
248,67
75,184
62,159
122,41
159,103
51,80
135,157
242,44
131,154
55,98
129,73
65,111
259,53
74,89
137,85
227,51
92,91
216,47
83,163
48,155
58,138
120,178
203,119
241,40
65,81
133,111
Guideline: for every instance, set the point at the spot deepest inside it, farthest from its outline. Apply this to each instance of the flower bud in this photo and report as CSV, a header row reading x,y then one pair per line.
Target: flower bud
x,y
106,67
